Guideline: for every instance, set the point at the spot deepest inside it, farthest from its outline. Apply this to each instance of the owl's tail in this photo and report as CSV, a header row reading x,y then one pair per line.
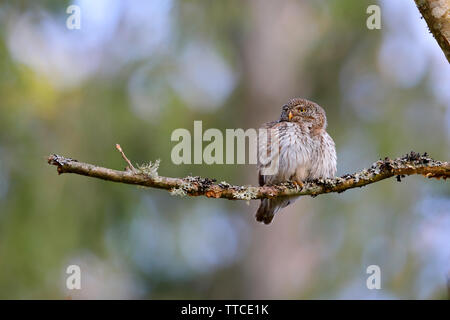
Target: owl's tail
x,y
269,207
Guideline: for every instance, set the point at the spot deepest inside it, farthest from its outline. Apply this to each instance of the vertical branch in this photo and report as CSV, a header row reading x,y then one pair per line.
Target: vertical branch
x,y
437,15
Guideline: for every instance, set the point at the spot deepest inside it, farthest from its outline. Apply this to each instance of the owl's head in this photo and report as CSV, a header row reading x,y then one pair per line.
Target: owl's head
x,y
305,112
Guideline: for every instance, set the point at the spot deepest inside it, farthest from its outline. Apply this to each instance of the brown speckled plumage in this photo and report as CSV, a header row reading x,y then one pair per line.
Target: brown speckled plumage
x,y
306,151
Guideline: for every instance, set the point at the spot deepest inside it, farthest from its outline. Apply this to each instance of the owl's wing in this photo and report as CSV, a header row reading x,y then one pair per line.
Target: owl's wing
x,y
261,179
264,149
290,156
326,160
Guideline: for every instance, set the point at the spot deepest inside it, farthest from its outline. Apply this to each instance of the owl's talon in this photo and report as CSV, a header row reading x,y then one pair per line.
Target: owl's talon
x,y
298,184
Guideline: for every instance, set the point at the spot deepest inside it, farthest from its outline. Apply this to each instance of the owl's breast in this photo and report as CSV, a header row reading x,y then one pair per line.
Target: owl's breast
x,y
296,152
301,155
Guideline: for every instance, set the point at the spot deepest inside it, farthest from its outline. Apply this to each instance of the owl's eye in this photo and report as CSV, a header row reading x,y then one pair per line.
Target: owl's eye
x,y
302,109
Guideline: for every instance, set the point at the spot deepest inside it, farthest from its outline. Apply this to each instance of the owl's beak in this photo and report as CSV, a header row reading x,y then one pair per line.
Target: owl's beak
x,y
290,115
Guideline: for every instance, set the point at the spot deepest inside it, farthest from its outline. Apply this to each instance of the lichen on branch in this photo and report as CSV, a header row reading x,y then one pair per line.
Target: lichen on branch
x,y
147,176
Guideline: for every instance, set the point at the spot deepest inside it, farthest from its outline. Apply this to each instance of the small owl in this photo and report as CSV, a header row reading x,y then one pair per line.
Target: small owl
x,y
305,152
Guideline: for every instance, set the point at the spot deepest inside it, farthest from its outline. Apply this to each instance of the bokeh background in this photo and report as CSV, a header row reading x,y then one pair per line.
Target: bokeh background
x,y
137,70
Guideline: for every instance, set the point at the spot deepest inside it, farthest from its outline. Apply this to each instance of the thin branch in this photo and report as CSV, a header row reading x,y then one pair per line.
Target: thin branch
x,y
130,166
147,176
437,15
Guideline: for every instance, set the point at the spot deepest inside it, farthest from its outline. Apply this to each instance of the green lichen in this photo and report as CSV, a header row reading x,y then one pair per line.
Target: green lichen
x,y
150,169
180,192
224,185
188,186
245,195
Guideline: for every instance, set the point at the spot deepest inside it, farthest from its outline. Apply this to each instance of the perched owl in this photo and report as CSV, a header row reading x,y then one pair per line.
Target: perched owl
x,y
305,152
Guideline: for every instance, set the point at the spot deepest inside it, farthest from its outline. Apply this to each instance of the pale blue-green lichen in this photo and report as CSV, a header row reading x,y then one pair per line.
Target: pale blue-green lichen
x,y
180,192
150,169
245,195
185,188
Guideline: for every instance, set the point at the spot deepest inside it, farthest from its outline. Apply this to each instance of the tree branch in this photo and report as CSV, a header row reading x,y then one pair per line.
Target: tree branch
x,y
147,176
437,15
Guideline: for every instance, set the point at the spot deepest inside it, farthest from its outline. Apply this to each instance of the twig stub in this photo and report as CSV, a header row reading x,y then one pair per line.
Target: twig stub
x,y
130,166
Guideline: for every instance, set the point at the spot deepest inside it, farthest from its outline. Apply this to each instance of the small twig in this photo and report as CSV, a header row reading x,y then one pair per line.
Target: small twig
x,y
130,166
